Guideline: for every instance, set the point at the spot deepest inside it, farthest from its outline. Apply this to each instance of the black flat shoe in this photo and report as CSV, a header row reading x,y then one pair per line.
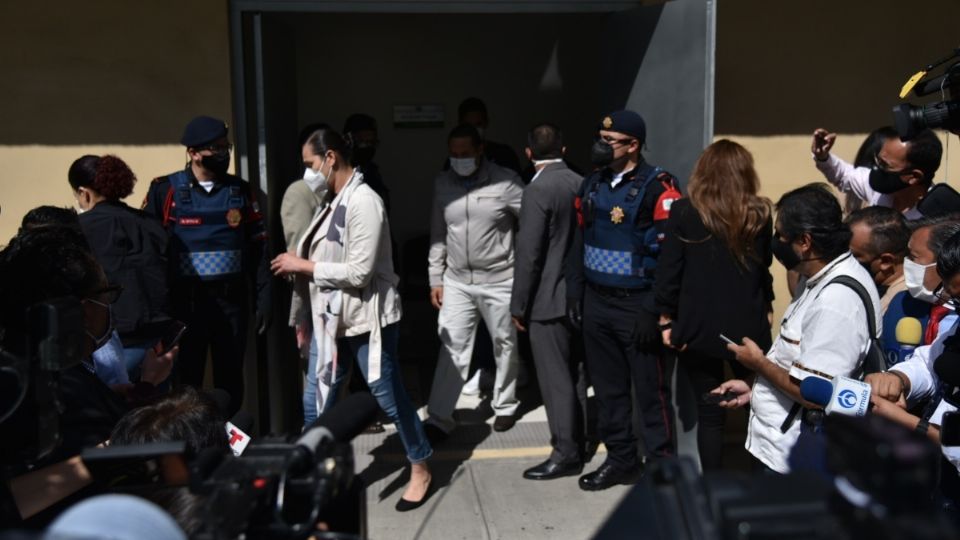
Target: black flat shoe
x,y
404,505
548,470
608,476
504,423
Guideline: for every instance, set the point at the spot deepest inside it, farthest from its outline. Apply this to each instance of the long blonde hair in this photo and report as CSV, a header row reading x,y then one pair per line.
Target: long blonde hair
x,y
723,189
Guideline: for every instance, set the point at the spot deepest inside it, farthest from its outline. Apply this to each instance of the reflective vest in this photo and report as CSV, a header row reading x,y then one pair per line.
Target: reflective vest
x,y
619,249
208,237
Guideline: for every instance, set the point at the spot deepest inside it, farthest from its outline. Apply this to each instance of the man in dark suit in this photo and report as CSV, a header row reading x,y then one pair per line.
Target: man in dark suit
x,y
538,301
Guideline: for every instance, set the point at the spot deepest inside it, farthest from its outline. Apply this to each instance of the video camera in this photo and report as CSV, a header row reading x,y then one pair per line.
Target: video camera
x,y
276,489
886,479
30,364
912,119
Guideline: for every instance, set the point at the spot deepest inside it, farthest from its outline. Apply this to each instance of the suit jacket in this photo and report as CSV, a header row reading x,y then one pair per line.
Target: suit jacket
x,y
547,223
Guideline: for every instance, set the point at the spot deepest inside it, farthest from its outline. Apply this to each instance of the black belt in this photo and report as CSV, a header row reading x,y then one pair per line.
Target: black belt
x,y
616,292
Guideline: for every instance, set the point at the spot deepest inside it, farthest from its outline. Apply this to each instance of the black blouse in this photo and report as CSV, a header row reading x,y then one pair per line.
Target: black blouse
x,y
706,291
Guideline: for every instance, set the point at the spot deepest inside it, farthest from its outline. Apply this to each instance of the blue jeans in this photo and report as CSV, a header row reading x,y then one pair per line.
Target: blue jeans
x,y
310,387
388,389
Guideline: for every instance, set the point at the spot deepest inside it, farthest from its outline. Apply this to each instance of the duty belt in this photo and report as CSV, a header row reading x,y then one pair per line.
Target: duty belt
x,y
616,292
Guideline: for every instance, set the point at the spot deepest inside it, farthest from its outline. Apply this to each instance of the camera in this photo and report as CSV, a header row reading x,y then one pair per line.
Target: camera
x,y
883,487
30,364
912,119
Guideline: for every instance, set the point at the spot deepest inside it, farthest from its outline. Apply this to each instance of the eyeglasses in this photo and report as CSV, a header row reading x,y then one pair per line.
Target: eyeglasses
x,y
217,148
884,166
612,141
942,294
105,296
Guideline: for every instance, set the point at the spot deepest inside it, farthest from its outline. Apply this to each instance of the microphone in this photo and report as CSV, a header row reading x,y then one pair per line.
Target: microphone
x,y
237,429
843,395
342,423
909,334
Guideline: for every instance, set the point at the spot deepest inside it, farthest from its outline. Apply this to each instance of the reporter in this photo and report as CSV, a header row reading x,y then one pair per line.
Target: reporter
x,y
345,286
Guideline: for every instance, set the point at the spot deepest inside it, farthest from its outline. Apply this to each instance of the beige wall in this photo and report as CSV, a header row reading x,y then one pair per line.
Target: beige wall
x,y
784,163
97,77
124,77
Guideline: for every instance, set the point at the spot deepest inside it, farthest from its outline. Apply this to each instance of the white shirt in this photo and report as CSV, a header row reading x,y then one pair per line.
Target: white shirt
x,y
918,367
856,181
544,162
617,178
206,184
824,329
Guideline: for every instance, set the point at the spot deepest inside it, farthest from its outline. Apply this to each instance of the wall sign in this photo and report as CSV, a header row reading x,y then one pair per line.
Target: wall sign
x,y
418,116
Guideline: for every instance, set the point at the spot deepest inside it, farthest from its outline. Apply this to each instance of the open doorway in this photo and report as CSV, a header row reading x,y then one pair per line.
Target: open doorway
x,y
566,62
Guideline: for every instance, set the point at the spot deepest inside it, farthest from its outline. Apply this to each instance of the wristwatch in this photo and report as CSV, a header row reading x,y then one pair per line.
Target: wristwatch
x,y
922,426
665,326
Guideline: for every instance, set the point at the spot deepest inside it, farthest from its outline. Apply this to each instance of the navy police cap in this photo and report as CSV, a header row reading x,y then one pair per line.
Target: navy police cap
x,y
626,122
203,130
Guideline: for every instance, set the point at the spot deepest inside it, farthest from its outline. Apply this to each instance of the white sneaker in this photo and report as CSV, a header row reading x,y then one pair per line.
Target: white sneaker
x,y
472,386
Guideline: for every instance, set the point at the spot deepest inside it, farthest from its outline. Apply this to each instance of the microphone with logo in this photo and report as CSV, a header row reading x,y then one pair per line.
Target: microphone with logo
x,y
909,334
842,395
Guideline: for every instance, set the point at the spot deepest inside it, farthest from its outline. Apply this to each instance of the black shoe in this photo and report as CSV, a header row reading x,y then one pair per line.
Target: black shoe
x,y
548,470
435,435
504,423
608,476
404,505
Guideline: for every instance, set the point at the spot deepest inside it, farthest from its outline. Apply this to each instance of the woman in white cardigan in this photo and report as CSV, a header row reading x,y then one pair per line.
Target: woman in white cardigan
x,y
345,289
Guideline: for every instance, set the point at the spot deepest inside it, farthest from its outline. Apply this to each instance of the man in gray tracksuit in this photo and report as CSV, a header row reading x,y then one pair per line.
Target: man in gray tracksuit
x,y
476,206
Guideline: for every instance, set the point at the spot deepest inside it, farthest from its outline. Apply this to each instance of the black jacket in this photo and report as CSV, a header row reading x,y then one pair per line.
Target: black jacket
x,y
702,287
131,246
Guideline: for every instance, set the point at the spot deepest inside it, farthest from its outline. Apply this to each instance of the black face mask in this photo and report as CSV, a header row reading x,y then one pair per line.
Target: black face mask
x,y
217,163
886,182
601,154
784,253
363,155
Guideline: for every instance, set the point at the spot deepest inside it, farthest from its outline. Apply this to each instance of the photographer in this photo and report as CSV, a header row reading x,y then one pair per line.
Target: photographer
x,y
824,329
902,175
39,265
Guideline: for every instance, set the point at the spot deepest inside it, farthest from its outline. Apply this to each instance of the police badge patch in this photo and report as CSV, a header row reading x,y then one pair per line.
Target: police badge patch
x,y
616,215
607,122
233,218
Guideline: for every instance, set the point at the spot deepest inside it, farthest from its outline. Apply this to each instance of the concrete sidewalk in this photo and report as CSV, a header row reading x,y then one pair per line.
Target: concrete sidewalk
x,y
481,493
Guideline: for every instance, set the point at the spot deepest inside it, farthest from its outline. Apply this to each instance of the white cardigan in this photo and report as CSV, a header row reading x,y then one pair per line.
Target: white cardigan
x,y
365,275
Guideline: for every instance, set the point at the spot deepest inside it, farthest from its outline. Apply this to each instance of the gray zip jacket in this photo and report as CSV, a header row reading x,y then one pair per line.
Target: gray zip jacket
x,y
473,224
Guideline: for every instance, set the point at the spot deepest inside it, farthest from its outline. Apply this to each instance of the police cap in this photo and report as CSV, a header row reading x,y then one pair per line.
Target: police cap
x,y
203,130
626,122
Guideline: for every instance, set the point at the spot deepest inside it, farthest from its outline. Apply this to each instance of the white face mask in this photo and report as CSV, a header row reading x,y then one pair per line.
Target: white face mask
x,y
315,179
913,275
463,166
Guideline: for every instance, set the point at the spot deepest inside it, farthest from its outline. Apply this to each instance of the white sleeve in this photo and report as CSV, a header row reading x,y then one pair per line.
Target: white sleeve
x,y
847,178
918,367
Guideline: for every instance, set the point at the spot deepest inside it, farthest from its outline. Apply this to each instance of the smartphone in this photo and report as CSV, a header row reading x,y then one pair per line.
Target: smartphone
x,y
713,399
728,340
170,338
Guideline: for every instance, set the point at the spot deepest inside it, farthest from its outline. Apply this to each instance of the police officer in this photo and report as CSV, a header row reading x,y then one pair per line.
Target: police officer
x,y
217,240
621,207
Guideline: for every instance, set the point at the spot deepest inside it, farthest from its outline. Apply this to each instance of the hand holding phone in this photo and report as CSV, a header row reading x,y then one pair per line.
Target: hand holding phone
x,y
713,399
728,340
171,337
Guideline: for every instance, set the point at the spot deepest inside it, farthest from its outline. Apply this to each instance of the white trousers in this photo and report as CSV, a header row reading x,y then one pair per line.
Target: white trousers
x,y
463,305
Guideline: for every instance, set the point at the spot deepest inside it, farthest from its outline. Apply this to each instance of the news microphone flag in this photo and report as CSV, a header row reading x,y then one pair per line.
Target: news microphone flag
x,y
843,395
